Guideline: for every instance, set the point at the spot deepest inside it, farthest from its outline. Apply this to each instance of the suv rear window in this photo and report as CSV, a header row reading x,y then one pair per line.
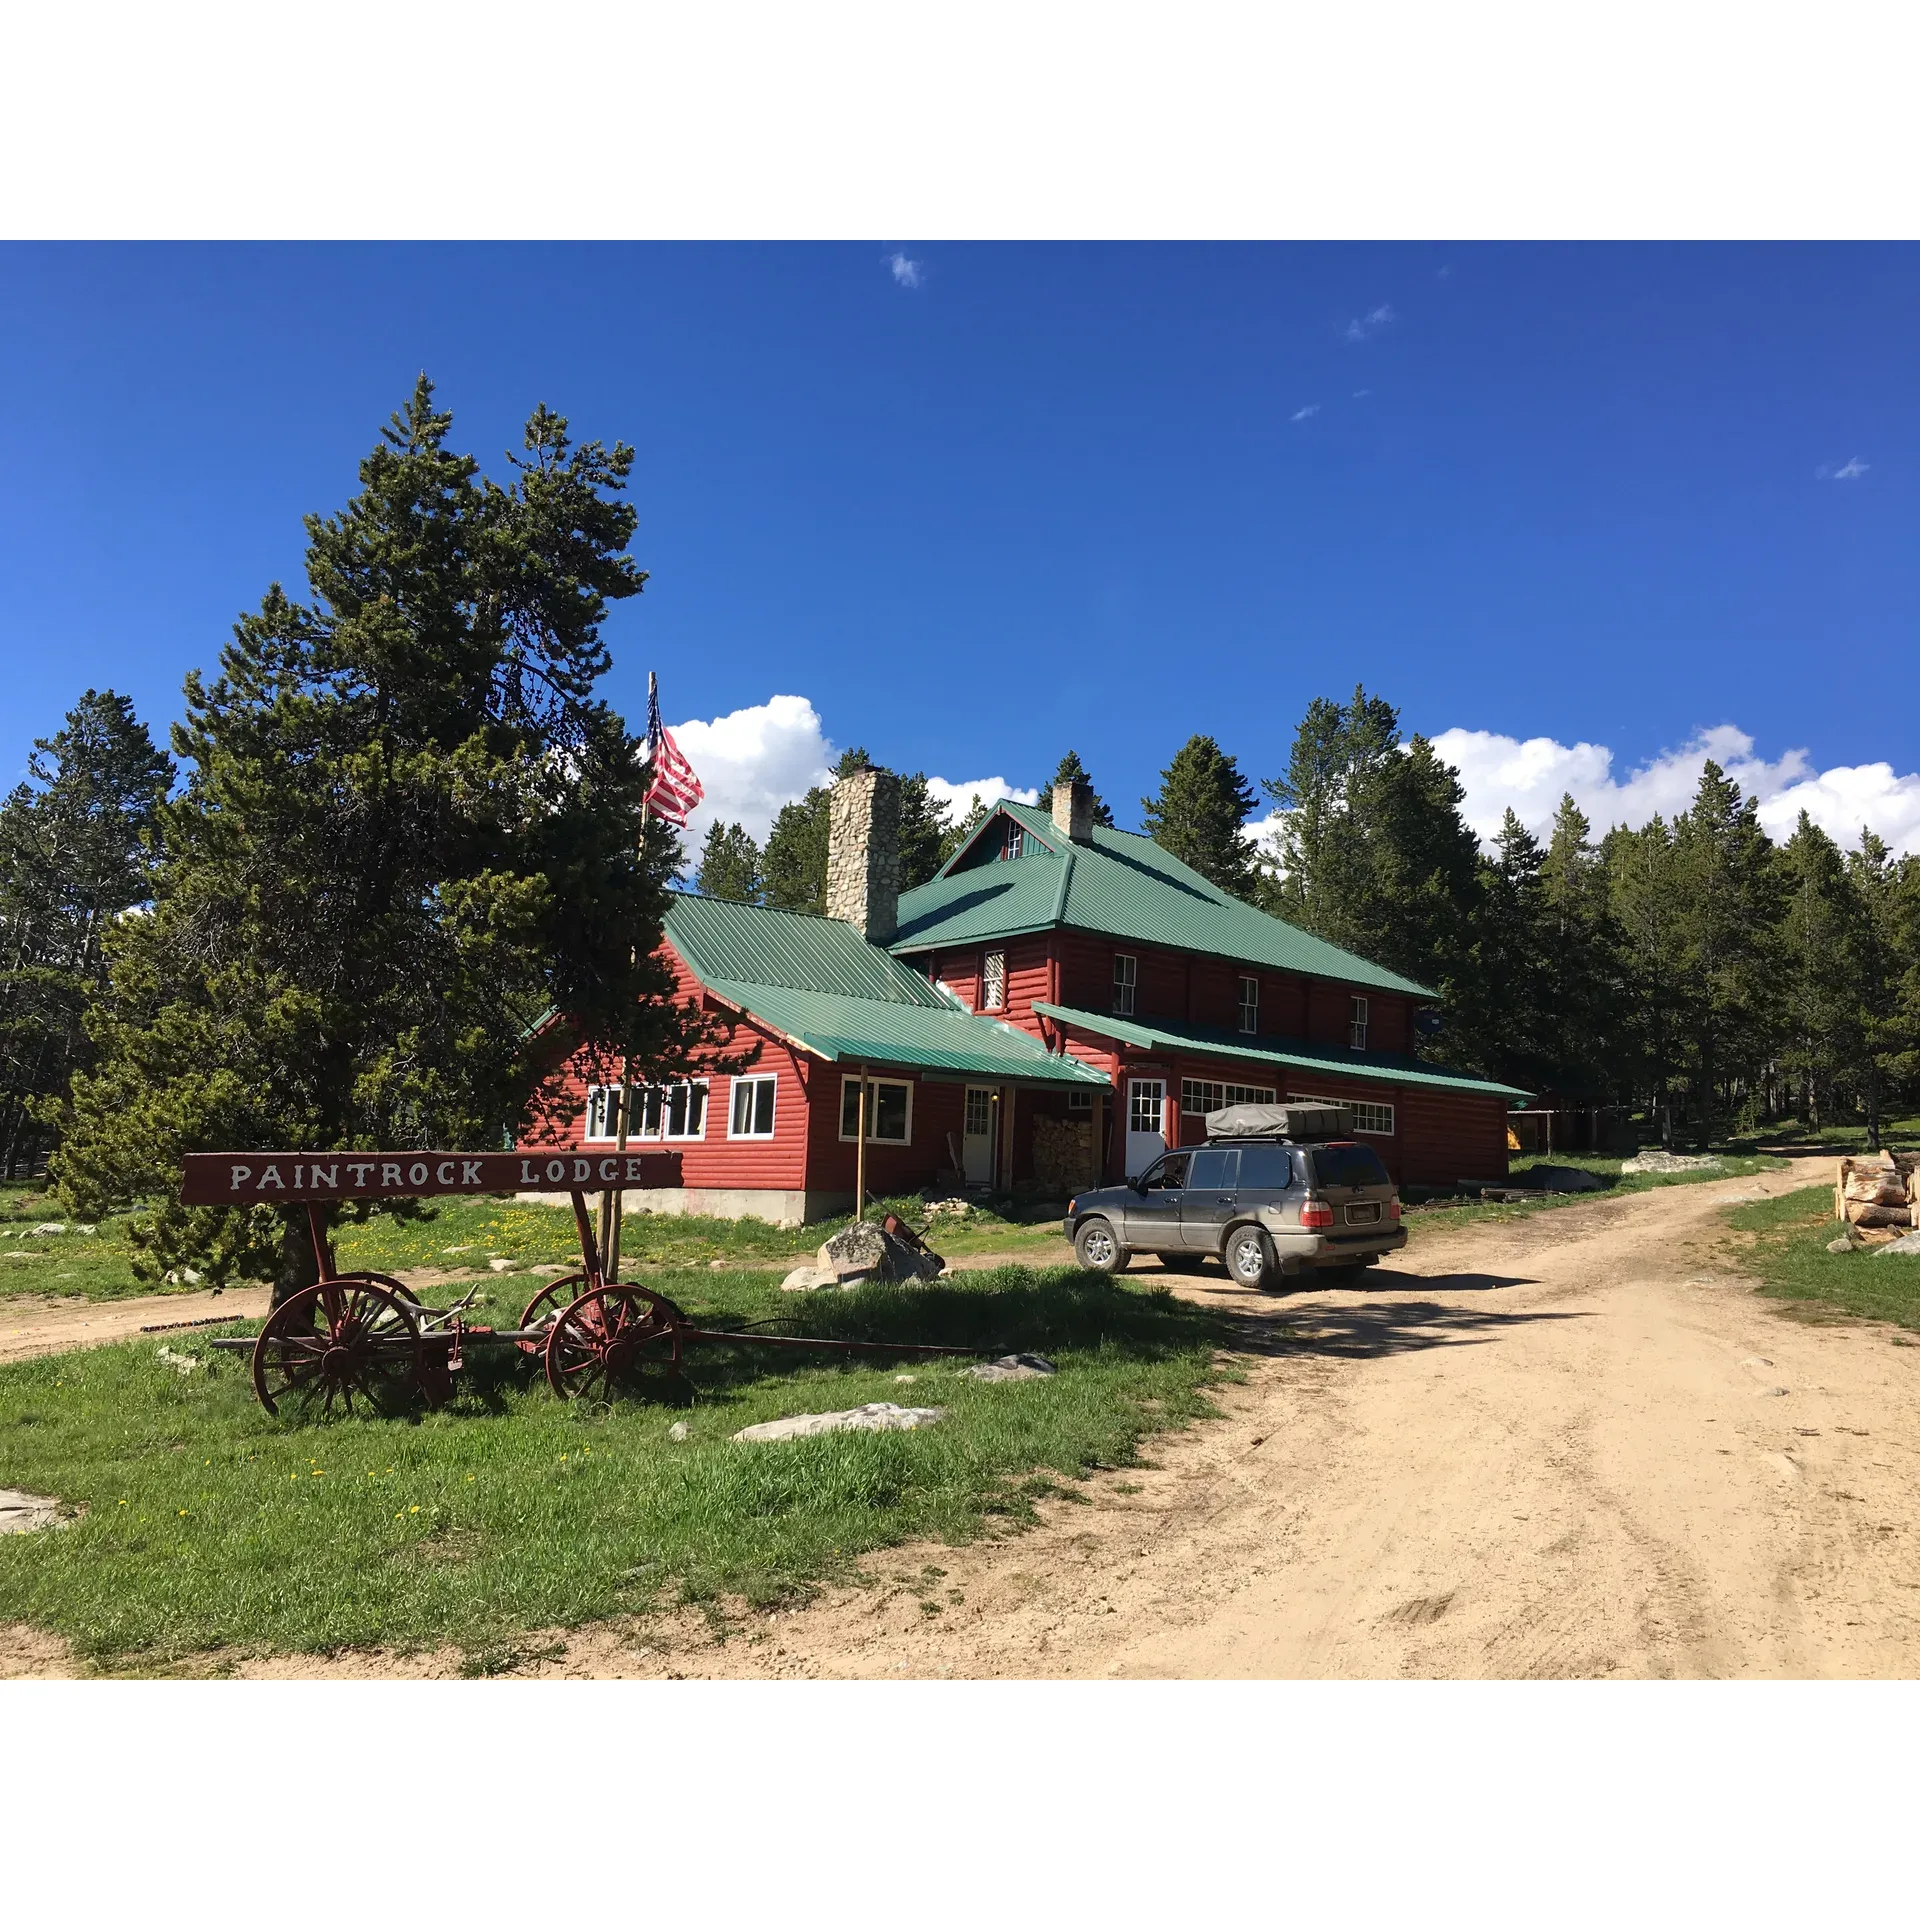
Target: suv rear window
x,y
1348,1166
1266,1167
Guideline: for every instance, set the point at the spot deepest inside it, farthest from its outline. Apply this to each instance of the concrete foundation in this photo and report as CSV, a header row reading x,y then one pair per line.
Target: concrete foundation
x,y
783,1206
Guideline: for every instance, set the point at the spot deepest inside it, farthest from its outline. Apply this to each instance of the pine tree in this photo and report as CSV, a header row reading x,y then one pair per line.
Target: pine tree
x,y
795,865
729,864
1197,815
1731,897
963,829
409,828
73,858
1821,1030
1585,964
1510,986
1064,774
1886,1031
1644,889
922,833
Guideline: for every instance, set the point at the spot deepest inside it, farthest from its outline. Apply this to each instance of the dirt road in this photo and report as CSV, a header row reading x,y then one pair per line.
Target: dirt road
x,y
1575,1445
1572,1445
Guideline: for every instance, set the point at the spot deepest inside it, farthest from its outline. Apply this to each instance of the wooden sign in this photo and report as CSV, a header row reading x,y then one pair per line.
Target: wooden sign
x,y
293,1179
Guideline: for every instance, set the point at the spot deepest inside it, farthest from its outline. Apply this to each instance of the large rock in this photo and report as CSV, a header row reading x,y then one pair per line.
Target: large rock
x,y
863,1251
28,1512
1907,1243
878,1416
1658,1160
858,1248
810,1280
1013,1366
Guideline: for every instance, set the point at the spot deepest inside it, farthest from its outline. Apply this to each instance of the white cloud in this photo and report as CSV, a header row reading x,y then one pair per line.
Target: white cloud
x,y
756,760
955,797
1360,393
1369,324
906,273
1529,776
1852,470
753,761
1306,413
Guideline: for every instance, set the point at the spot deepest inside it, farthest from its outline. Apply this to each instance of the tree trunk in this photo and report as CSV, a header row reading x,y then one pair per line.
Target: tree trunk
x,y
1873,1106
299,1265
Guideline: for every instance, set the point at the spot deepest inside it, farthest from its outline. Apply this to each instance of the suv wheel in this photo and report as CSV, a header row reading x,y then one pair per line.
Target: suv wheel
x,y
1249,1257
1097,1248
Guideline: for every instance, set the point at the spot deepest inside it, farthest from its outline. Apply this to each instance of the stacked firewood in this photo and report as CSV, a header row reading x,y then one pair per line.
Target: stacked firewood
x,y
1876,1197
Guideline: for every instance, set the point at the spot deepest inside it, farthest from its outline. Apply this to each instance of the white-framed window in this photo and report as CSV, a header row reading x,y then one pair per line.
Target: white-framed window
x,y
1249,1003
1209,1096
1079,1099
603,1113
1369,1116
751,1116
1014,846
1126,972
993,981
889,1111
1357,1022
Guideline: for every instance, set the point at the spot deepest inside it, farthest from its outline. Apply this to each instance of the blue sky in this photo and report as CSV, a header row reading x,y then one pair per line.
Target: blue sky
x,y
971,505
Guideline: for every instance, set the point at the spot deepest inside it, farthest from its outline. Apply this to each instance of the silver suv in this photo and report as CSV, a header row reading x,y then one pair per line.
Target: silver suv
x,y
1275,1193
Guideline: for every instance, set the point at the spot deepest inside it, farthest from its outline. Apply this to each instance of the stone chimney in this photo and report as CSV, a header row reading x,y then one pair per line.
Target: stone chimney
x,y
863,852
1073,809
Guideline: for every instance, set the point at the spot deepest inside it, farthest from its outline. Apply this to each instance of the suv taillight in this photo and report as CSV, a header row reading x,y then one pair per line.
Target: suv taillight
x,y
1316,1213
1393,1209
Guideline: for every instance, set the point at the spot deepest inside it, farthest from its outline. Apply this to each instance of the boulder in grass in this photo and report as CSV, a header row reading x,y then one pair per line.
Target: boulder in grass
x,y
1842,1245
1907,1243
878,1416
809,1280
1013,1366
857,1248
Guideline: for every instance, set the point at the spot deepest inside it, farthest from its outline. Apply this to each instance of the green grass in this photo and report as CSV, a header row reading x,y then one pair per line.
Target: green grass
x,y
211,1526
1783,1242
1901,1131
465,1235
1440,1215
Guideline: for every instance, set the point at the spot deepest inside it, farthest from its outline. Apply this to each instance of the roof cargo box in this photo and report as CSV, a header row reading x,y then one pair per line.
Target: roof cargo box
x,y
1297,1120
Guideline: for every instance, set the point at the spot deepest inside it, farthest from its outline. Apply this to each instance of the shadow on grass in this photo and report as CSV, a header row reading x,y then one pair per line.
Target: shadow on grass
x,y
1058,1314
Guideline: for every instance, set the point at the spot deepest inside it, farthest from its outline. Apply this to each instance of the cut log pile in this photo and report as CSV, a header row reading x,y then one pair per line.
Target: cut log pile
x,y
1876,1199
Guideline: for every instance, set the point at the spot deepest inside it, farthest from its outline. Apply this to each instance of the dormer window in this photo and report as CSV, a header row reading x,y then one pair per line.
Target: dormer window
x,y
1014,846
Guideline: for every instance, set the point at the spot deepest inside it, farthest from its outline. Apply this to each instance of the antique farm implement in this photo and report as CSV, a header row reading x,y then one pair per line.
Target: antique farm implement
x,y
366,1342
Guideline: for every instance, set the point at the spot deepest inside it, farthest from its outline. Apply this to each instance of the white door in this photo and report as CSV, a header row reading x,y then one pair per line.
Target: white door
x,y
1146,1123
976,1140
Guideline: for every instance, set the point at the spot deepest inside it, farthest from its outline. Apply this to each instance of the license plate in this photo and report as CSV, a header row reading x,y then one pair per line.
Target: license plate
x,y
1363,1213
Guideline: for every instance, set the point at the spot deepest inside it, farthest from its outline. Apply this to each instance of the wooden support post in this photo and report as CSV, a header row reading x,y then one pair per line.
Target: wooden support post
x,y
610,1241
860,1150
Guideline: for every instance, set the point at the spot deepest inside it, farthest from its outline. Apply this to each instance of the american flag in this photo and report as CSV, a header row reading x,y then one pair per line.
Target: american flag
x,y
676,788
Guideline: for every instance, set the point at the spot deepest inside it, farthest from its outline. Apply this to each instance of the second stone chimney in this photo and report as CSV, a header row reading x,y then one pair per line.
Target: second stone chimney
x,y
1073,809
863,852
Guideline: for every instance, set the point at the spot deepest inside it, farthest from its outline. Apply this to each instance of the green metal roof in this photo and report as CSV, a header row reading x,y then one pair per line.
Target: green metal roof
x,y
1179,1036
821,984
1122,885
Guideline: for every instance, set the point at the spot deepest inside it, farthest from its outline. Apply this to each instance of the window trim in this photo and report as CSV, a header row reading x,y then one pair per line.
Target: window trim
x,y
1359,1107
851,1136
640,1090
587,1134
1357,1014
1249,1004
1269,1096
1131,983
989,1002
733,1100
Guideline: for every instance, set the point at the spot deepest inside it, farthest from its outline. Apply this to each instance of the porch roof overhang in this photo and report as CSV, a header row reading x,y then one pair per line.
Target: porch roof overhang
x,y
1180,1036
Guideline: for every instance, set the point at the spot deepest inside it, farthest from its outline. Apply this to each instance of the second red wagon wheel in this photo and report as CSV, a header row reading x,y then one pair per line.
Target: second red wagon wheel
x,y
341,1342
556,1293
609,1337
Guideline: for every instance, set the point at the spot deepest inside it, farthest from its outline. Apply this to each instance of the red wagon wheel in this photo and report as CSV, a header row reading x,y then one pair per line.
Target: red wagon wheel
x,y
608,1337
556,1293
346,1340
